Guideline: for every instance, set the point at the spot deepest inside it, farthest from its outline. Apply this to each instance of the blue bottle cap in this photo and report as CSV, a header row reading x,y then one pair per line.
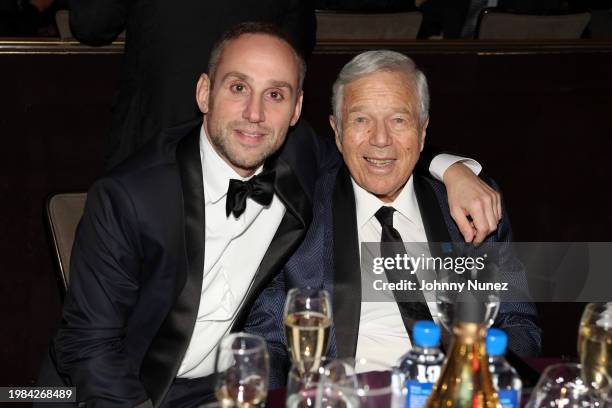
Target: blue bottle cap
x,y
426,333
497,340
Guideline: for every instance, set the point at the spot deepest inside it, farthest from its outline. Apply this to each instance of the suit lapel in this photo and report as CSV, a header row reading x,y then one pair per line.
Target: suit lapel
x,y
347,275
347,271
431,213
288,236
168,348
163,358
435,227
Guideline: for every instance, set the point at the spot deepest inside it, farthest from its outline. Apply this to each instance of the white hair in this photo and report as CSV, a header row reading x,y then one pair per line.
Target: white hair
x,y
370,62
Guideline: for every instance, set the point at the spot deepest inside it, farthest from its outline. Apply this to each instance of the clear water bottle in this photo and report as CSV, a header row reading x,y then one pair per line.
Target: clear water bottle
x,y
505,379
421,366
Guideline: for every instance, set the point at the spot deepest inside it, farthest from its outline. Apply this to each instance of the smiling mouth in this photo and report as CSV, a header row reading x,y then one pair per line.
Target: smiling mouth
x,y
252,134
379,162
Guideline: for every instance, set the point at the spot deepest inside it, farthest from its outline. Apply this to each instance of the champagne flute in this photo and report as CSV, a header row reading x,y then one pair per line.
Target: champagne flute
x,y
307,317
242,368
595,341
305,391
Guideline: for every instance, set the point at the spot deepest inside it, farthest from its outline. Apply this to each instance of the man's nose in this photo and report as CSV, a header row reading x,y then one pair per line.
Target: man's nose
x,y
380,136
254,110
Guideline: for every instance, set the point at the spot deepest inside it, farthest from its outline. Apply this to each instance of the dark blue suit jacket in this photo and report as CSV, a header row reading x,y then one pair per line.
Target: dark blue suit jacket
x,y
329,258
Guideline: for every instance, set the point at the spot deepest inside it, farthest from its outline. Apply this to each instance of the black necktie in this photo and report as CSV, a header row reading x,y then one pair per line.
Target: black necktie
x,y
260,188
391,245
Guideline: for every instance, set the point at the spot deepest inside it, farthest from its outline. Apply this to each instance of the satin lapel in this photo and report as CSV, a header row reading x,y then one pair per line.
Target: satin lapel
x,y
431,213
435,227
287,238
347,271
163,358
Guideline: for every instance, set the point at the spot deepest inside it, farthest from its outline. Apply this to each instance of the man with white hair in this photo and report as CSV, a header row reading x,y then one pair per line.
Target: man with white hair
x,y
176,244
380,116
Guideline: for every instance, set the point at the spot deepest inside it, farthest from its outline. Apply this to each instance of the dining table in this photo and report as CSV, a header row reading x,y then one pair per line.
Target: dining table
x,y
528,368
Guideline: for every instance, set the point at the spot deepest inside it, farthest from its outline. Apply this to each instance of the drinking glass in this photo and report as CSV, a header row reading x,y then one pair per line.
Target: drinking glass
x,y
242,368
317,389
307,317
446,304
562,386
362,383
595,341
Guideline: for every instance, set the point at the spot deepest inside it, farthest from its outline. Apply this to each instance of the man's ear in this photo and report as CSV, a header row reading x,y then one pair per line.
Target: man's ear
x,y
203,93
423,133
332,122
298,108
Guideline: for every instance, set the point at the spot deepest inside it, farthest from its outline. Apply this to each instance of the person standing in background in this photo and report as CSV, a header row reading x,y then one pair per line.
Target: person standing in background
x,y
167,48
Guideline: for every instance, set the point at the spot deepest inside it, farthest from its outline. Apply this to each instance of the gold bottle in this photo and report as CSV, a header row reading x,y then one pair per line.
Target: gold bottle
x,y
465,381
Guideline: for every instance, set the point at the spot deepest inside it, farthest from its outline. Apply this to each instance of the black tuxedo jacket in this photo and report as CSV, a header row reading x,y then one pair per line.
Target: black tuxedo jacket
x,y
329,258
167,48
137,262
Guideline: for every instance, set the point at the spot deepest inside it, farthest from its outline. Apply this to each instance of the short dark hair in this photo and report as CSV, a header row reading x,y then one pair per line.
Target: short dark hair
x,y
254,28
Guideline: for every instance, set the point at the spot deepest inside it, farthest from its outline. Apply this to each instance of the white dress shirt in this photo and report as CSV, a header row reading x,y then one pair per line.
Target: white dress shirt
x,y
441,162
234,248
382,335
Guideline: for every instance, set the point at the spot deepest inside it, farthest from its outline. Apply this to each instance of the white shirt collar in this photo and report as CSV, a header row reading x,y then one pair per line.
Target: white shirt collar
x,y
406,204
217,173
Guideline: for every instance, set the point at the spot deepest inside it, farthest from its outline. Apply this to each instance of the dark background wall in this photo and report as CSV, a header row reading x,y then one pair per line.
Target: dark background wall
x,y
537,116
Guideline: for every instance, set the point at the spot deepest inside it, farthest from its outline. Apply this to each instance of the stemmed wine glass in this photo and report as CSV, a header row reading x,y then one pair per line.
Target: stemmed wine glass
x,y
304,391
361,383
446,300
307,317
446,305
563,386
345,383
242,367
595,341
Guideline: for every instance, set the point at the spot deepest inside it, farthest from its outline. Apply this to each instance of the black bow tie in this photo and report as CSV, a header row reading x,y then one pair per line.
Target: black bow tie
x,y
260,188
